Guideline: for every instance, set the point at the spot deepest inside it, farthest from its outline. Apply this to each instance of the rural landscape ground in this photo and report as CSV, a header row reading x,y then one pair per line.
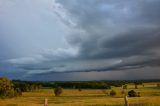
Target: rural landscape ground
x,y
79,52
149,96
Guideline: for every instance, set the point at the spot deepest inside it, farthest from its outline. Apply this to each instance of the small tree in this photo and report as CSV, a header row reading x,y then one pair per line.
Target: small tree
x,y
6,88
58,91
138,94
10,93
17,92
112,93
132,93
158,85
136,86
79,89
124,86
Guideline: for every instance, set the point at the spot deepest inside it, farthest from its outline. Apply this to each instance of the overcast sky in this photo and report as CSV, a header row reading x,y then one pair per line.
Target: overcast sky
x,y
80,39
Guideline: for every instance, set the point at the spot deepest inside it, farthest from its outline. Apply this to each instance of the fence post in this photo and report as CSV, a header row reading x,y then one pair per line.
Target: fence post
x,y
126,101
45,102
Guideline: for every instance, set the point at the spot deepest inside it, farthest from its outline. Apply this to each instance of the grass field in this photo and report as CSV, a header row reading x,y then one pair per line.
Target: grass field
x,y
150,96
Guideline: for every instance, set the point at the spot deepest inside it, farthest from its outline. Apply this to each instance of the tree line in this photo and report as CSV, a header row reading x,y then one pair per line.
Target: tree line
x,y
10,88
83,85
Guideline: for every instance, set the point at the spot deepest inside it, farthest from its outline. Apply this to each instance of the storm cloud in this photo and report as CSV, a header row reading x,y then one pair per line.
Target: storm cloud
x,y
102,35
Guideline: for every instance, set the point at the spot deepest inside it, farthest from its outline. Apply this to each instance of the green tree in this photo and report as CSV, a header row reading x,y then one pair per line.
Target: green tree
x,y
124,86
136,86
58,91
112,93
132,93
6,88
17,92
158,85
138,94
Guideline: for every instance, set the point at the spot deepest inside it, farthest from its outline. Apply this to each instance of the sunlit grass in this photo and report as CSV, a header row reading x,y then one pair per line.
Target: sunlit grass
x,y
150,96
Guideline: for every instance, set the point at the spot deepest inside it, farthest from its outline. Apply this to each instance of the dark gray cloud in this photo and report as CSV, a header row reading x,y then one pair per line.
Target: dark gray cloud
x,y
141,73
105,35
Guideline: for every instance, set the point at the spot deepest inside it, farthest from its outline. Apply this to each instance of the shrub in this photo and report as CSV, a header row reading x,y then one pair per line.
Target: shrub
x,y
17,92
158,85
136,86
132,93
10,93
79,89
58,91
138,94
6,88
112,93
124,86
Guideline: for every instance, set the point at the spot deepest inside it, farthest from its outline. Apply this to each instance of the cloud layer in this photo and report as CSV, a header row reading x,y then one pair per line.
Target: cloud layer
x,y
105,35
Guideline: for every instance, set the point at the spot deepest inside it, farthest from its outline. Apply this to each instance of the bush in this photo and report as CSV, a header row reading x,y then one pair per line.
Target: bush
x,y
136,86
158,85
58,91
124,86
79,89
6,88
17,92
143,85
112,93
10,93
138,94
132,93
